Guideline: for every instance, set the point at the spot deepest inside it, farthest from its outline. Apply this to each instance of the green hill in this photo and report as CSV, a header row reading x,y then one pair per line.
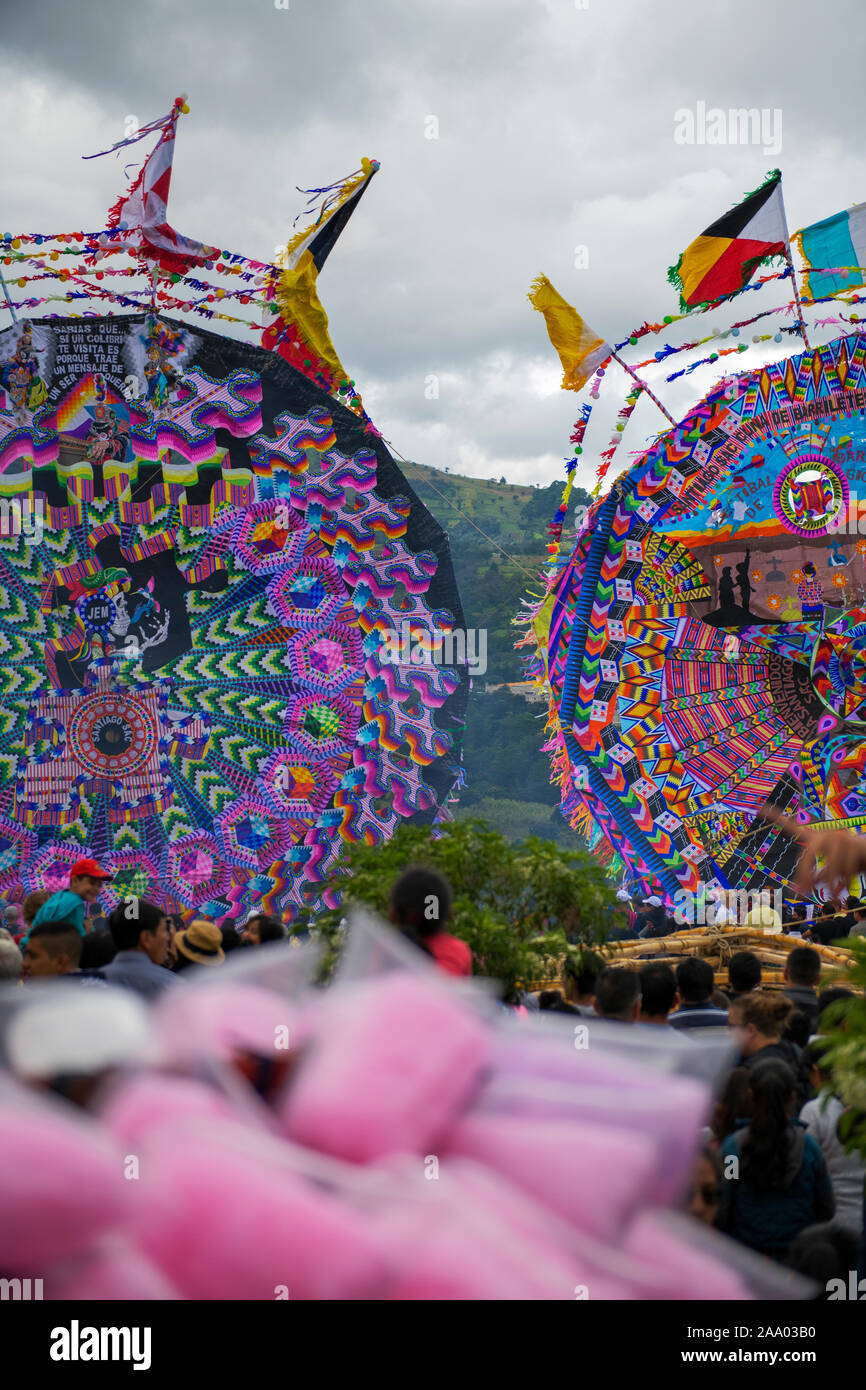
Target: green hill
x,y
498,537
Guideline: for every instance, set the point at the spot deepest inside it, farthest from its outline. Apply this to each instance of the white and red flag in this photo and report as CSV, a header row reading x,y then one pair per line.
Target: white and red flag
x,y
140,213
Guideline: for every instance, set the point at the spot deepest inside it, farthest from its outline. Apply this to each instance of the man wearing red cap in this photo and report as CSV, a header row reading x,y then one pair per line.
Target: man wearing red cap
x,y
85,885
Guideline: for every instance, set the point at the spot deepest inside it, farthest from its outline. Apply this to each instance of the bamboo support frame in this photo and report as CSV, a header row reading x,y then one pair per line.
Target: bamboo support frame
x,y
716,945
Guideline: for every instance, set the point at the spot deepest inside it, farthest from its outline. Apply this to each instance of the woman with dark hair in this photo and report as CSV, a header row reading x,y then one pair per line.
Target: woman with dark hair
x,y
420,907
703,1197
774,1178
732,1109
260,929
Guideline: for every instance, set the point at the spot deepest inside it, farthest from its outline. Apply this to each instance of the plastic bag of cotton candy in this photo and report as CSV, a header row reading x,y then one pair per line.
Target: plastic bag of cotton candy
x,y
390,1137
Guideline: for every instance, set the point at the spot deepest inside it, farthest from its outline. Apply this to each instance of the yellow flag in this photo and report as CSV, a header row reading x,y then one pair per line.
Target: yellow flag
x,y
580,350
299,303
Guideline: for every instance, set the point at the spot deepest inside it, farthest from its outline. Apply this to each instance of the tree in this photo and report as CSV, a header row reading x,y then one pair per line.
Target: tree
x,y
843,1043
520,907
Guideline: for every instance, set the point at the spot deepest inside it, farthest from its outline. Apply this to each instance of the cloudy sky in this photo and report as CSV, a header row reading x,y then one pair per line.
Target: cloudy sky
x,y
510,133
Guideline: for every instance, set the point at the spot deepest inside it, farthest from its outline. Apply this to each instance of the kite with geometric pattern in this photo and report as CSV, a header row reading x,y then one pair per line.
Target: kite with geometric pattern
x,y
196,589
704,645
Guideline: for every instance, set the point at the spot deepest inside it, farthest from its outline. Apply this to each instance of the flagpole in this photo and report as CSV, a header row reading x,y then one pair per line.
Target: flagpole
x,y
643,386
8,300
800,320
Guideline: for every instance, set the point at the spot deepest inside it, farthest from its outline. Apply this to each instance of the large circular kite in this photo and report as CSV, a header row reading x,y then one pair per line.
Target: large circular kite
x,y
705,644
202,556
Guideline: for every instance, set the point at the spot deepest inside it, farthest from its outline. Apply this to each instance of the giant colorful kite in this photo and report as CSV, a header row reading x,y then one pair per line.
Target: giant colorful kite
x,y
704,642
204,548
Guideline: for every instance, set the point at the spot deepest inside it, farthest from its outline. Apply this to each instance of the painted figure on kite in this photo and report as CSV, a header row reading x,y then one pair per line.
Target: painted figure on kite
x,y
21,376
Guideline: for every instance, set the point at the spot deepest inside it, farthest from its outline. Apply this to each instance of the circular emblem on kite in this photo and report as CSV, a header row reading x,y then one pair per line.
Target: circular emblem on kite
x,y
97,612
811,495
110,735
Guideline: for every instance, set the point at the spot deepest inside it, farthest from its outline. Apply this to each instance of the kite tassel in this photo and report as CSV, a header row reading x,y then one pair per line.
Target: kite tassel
x,y
340,193
535,289
675,280
773,175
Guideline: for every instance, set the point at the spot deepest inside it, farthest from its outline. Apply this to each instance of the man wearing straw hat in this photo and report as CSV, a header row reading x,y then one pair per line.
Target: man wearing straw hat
x,y
200,944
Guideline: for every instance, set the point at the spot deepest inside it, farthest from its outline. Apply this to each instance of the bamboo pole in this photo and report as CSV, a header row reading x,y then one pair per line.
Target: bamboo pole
x,y
715,945
643,386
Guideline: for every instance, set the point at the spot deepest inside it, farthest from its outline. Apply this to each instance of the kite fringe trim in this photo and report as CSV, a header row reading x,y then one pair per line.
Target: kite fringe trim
x,y
536,287
675,280
350,186
773,177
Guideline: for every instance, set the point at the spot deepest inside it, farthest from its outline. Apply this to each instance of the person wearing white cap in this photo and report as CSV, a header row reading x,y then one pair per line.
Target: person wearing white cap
x,y
70,1040
654,920
624,915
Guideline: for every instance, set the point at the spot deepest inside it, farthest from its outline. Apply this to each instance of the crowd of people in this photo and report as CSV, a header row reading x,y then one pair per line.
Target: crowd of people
x,y
821,923
773,1172
137,946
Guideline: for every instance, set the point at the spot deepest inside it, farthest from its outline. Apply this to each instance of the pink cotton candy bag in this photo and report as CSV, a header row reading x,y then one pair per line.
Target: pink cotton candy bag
x,y
471,1235
683,1271
64,1180
390,1064
143,1102
594,1177
540,1081
215,1021
223,1220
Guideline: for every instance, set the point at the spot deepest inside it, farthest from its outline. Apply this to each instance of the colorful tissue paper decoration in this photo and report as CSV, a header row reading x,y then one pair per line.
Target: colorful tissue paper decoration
x,y
703,642
203,554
